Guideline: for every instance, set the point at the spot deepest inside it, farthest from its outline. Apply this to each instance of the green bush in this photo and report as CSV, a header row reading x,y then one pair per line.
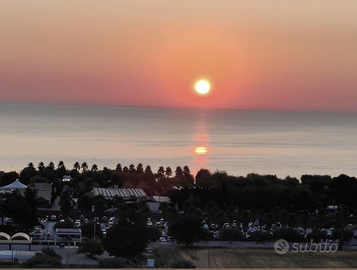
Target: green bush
x,y
47,258
91,247
153,233
347,234
288,234
231,234
183,264
111,263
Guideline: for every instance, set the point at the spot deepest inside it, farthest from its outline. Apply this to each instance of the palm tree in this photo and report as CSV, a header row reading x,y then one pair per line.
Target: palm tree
x,y
161,171
168,172
132,168
76,166
94,168
140,168
84,166
60,165
148,170
118,168
186,171
51,166
178,171
41,166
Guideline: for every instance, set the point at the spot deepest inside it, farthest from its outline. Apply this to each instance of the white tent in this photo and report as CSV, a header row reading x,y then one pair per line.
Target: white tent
x,y
15,185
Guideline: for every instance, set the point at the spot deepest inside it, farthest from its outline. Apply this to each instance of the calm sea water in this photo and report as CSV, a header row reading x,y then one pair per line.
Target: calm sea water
x,y
237,141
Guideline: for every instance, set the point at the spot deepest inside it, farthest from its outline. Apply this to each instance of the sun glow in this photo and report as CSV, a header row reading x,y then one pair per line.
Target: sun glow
x,y
202,87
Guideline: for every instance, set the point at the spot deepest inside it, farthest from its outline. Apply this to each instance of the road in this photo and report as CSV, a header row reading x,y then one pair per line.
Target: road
x,y
70,256
236,245
68,253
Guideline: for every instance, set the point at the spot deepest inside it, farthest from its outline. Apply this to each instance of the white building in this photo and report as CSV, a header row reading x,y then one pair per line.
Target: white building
x,y
17,185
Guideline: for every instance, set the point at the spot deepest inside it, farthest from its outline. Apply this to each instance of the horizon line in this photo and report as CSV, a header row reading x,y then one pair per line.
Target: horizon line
x,y
176,107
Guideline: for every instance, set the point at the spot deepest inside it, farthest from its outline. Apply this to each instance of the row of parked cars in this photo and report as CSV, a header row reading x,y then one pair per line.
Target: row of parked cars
x,y
164,229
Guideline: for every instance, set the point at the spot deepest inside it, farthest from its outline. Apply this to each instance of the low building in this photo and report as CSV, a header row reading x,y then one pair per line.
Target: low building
x,y
353,228
44,190
16,185
125,193
155,201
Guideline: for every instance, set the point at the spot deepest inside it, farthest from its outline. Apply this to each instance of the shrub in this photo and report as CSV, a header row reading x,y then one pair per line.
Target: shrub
x,y
153,233
231,234
111,263
90,247
347,234
288,234
47,258
183,264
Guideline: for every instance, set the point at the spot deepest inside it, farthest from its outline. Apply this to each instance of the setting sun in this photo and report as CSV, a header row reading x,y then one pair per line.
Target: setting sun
x,y
202,87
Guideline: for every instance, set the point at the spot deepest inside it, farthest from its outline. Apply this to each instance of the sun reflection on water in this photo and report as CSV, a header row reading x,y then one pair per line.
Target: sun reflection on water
x,y
201,150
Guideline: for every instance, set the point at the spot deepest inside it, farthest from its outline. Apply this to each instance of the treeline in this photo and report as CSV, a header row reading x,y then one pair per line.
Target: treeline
x,y
85,177
262,192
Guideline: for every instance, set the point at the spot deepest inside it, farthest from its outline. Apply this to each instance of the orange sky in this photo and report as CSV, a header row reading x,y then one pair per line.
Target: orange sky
x,y
276,54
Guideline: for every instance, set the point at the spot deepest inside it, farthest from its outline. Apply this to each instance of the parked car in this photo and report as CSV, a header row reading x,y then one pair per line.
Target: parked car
x,y
216,235
170,239
37,228
162,239
110,224
53,217
8,221
35,234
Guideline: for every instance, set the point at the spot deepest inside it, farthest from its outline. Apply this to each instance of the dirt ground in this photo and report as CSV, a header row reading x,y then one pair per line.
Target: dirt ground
x,y
254,258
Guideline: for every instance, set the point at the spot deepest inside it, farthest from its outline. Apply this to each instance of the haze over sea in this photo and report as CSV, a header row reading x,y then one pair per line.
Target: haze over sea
x,y
237,141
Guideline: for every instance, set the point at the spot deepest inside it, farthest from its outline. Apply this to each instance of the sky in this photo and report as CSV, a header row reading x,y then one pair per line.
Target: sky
x,y
277,54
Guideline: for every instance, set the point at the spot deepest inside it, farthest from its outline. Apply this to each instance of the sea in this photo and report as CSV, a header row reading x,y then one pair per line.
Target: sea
x,y
282,143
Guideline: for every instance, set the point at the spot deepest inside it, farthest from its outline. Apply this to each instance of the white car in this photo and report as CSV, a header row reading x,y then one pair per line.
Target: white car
x,y
8,221
110,224
162,239
36,234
